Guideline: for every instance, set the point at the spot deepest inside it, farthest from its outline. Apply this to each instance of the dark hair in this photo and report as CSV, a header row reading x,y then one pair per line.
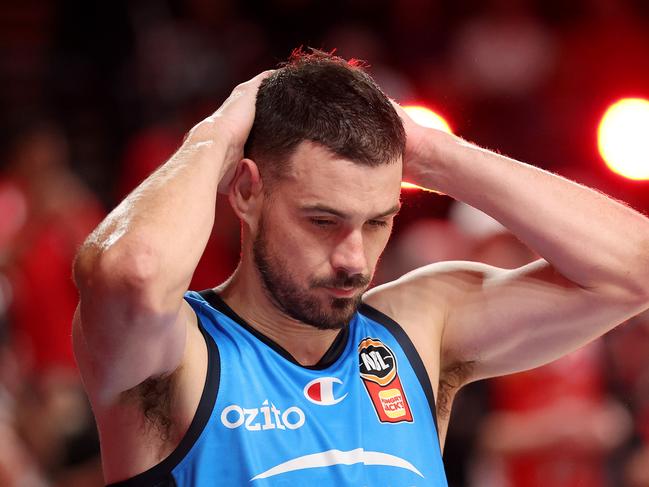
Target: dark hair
x,y
325,99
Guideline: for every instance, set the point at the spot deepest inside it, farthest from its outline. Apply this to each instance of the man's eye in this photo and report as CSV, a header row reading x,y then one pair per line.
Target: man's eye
x,y
322,222
378,223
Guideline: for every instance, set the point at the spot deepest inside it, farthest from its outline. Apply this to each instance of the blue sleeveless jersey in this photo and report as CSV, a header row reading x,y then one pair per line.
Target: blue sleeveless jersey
x,y
363,416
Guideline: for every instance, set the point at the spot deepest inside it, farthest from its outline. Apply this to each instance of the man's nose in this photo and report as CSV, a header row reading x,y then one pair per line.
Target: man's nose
x,y
349,254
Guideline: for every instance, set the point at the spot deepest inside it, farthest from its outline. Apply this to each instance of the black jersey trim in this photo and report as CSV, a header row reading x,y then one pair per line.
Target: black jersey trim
x,y
160,475
328,359
411,352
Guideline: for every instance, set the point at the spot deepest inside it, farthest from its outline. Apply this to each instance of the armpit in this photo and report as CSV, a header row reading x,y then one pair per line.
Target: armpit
x,y
450,381
153,397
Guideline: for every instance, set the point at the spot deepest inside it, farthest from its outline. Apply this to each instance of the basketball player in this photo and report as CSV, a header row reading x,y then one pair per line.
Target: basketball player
x,y
291,372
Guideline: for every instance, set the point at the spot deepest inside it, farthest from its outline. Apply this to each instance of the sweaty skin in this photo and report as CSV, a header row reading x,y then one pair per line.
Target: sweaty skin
x,y
137,342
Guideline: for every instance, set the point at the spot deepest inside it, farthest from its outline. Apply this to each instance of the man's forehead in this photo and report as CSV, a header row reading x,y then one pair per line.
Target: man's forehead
x,y
313,160
319,177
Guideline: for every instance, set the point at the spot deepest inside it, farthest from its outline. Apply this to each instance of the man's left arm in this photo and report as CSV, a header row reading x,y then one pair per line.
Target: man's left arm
x,y
594,273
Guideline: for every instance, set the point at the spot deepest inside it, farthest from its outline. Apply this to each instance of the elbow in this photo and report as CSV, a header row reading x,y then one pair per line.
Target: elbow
x,y
130,273
630,293
642,292
644,279
626,277
639,275
643,288
633,287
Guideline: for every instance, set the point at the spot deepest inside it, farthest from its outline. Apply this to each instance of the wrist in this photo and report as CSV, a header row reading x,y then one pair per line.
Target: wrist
x,y
429,164
211,141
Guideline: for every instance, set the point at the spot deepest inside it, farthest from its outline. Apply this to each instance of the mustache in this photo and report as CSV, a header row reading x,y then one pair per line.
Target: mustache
x,y
343,280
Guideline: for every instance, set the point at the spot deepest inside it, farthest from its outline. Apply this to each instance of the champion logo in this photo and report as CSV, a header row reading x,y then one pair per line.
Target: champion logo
x,y
321,391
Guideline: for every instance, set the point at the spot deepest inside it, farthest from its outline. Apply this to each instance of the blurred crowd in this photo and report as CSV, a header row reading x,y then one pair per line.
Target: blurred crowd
x,y
95,96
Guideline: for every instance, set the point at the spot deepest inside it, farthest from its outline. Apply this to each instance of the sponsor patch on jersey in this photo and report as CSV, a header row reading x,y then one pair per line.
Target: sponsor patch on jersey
x,y
266,417
321,391
378,370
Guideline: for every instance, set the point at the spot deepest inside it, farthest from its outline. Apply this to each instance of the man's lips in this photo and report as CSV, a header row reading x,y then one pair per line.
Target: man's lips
x,y
342,292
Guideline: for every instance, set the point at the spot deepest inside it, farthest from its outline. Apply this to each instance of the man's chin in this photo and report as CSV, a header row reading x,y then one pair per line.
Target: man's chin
x,y
345,304
344,308
335,313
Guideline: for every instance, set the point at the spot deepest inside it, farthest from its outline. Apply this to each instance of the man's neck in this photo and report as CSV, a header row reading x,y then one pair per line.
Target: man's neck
x,y
244,293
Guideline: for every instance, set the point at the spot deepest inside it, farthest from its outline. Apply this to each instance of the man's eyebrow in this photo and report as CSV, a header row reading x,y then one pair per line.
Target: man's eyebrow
x,y
323,209
391,212
327,209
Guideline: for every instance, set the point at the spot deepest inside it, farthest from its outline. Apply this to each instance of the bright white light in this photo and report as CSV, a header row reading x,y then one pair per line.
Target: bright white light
x,y
428,118
623,138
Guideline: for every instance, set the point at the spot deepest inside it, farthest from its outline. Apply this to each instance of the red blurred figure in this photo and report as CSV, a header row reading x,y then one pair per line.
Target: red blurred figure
x,y
49,212
630,367
553,425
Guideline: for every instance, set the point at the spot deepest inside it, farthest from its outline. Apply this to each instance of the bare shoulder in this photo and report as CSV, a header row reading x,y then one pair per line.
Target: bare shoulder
x,y
422,300
422,296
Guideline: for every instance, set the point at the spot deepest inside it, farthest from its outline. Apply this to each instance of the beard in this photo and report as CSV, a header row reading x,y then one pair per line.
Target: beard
x,y
303,304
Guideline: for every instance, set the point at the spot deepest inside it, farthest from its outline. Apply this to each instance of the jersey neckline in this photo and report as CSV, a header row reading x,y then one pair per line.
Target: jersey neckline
x,y
332,354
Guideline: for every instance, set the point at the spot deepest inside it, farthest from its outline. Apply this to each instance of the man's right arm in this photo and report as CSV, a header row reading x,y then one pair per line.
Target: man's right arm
x,y
133,270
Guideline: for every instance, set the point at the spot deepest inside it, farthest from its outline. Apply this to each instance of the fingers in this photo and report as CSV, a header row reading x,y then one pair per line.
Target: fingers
x,y
246,91
256,81
262,76
235,115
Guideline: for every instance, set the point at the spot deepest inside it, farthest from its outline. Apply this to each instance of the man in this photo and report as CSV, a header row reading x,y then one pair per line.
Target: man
x,y
280,375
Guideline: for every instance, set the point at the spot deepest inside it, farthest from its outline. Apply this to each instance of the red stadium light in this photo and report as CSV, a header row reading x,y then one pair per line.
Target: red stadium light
x,y
428,118
623,138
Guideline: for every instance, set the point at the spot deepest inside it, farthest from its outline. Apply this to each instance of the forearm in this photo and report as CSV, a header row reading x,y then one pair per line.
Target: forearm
x,y
154,239
159,232
589,238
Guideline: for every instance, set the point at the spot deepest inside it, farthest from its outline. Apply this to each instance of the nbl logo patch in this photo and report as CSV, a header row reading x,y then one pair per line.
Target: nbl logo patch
x,y
378,370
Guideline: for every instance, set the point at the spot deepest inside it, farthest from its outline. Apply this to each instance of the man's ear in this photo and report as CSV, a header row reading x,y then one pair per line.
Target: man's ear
x,y
245,192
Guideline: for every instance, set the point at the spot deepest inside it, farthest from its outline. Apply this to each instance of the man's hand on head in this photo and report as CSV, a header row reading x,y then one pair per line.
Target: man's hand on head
x,y
231,124
423,149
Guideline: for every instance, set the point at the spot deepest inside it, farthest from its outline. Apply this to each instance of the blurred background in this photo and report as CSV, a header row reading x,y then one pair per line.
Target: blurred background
x,y
93,97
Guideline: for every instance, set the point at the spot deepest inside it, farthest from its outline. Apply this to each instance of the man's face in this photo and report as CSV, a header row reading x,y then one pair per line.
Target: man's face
x,y
321,232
